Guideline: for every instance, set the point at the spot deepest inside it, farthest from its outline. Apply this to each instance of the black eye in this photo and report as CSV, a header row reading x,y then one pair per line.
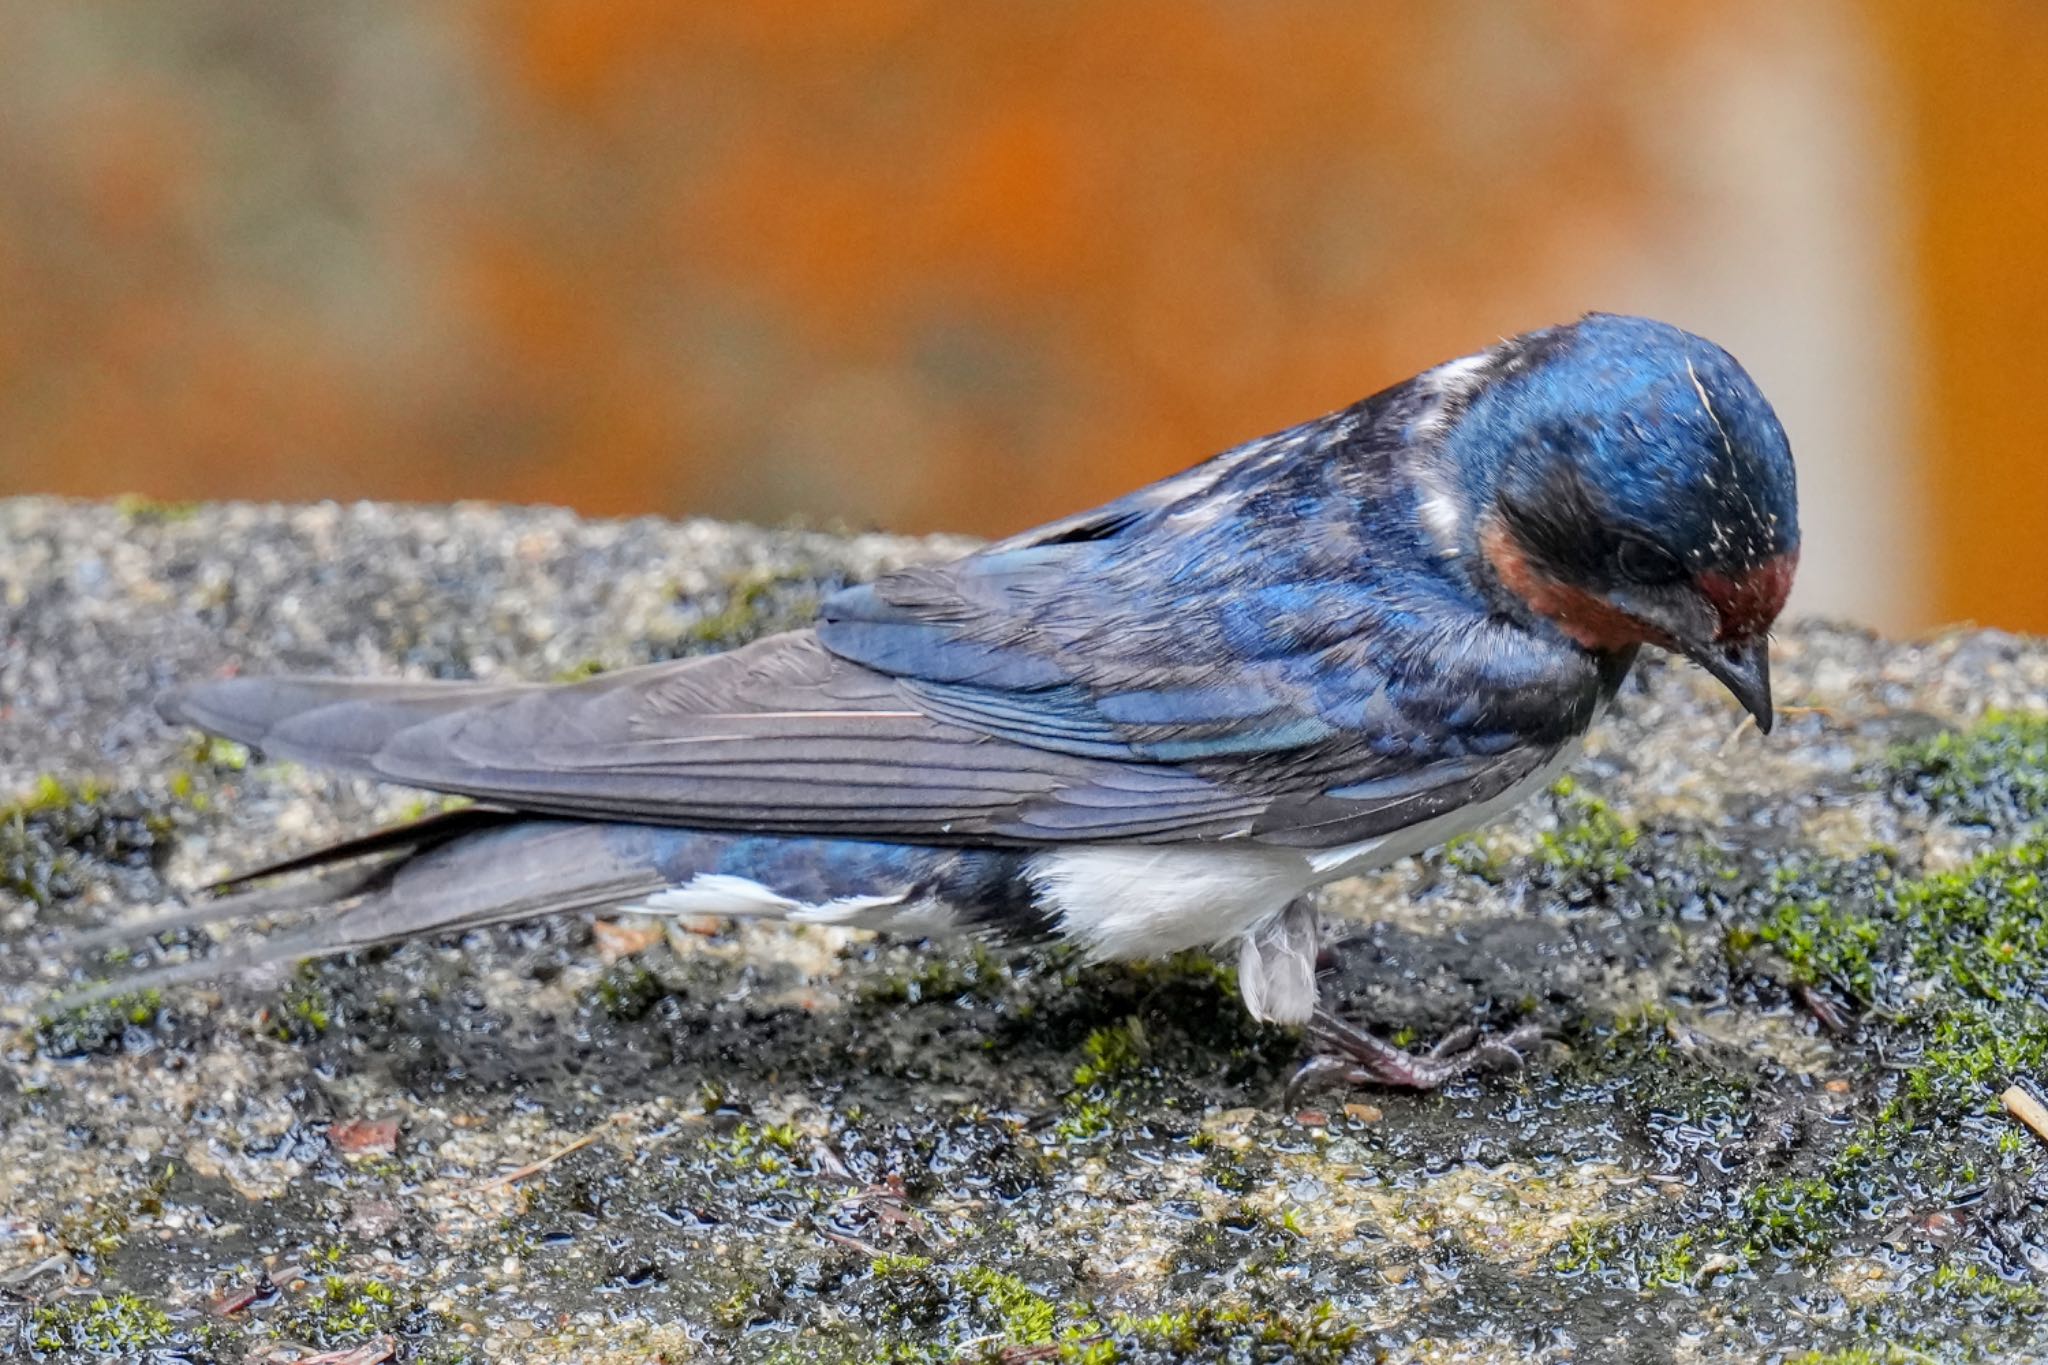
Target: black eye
x,y
1647,563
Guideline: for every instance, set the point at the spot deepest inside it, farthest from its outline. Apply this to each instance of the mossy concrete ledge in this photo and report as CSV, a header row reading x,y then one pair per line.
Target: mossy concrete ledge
x,y
1787,980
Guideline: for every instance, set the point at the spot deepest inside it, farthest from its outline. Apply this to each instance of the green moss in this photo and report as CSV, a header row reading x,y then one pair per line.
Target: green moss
x,y
420,807
1994,774
338,1310
1112,1053
1586,1249
1950,968
1111,1056
1594,856
1236,1332
99,1027
147,511
208,761
353,1308
628,990
49,794
754,605
1976,1292
56,831
892,1263
121,1324
1591,841
942,974
764,1148
581,670
1823,943
1648,1258
306,1009
1475,856
1086,1119
1982,928
220,755
966,1313
1946,971
1795,1214
1027,1317
103,1227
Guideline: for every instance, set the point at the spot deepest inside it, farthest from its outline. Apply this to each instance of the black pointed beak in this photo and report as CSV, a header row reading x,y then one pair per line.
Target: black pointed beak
x,y
1744,668
1687,622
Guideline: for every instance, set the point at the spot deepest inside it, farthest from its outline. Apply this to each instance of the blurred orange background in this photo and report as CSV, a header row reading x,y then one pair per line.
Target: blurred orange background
x,y
969,266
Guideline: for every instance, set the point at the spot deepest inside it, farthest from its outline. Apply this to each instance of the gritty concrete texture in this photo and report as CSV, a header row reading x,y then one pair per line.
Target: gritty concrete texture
x,y
1787,980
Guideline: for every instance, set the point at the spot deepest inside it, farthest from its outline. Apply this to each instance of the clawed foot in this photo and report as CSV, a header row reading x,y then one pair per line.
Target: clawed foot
x,y
1348,1055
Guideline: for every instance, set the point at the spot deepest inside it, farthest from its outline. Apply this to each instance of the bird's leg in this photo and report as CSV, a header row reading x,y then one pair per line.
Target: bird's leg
x,y
1348,1055
1276,964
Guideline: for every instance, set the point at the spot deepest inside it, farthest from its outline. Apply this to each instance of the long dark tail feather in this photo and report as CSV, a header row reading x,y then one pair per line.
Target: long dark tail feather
x,y
323,886
332,721
479,866
329,883
517,869
413,836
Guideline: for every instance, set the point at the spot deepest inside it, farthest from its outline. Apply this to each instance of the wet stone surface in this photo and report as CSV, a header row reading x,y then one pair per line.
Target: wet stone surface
x,y
1788,980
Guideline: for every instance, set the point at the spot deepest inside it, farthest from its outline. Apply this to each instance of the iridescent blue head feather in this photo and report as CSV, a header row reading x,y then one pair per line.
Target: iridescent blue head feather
x,y
1630,484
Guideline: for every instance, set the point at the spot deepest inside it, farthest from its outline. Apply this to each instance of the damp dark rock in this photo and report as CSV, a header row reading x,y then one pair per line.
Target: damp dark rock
x,y
1787,981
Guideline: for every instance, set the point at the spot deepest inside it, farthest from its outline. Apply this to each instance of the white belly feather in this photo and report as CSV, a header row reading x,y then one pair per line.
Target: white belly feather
x,y
1146,900
1127,901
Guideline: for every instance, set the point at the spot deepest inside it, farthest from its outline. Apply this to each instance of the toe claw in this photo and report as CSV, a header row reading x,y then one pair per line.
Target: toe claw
x,y
1459,1039
1351,1056
1317,1071
1505,1053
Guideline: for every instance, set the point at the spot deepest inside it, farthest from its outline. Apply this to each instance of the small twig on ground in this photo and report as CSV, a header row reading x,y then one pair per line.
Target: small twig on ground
x,y
856,1243
619,1120
59,1264
1830,1013
236,1300
830,1165
369,1353
2021,1104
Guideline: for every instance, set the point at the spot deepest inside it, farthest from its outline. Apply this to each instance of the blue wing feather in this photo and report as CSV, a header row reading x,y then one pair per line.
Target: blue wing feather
x,y
1261,646
1274,623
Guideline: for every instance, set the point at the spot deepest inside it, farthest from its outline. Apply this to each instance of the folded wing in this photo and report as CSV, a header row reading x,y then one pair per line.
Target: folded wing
x,y
1228,654
780,736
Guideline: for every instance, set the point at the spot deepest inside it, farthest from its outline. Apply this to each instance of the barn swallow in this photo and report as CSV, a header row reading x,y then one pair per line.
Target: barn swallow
x,y
1158,725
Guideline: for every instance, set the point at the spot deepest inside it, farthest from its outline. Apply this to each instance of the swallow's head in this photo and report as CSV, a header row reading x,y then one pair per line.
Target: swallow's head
x,y
1631,485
